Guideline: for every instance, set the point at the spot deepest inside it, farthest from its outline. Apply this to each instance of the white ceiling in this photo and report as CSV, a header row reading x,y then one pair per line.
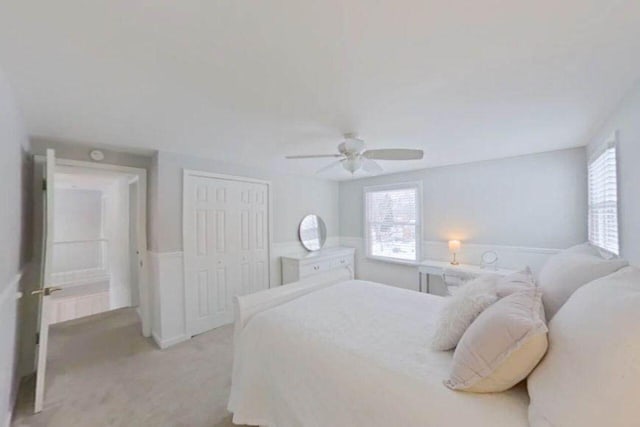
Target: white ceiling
x,y
252,81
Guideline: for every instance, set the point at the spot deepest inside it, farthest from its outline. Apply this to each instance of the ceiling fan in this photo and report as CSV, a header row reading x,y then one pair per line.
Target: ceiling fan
x,y
352,156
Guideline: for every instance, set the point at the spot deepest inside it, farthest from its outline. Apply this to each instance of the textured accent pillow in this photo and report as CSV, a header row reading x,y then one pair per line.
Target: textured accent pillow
x,y
461,310
568,270
591,375
515,282
502,346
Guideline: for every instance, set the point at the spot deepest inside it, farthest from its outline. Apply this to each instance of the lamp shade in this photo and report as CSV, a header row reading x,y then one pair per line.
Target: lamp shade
x,y
454,246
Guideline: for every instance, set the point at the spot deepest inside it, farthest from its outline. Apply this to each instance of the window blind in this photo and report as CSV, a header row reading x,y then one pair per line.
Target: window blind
x,y
392,222
603,201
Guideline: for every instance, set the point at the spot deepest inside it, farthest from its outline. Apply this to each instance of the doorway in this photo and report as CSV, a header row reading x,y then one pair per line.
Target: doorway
x,y
93,253
95,245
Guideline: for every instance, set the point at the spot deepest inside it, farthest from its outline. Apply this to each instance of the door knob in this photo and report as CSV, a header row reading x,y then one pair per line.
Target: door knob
x,y
46,291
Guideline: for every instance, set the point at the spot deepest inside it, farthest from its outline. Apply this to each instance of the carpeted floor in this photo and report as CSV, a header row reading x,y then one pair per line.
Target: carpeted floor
x,y
102,372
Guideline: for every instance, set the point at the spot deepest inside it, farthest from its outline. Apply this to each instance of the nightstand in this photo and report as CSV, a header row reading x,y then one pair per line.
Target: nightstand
x,y
458,273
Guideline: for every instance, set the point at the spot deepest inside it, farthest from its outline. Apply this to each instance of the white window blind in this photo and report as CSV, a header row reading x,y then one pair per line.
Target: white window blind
x,y
603,201
392,222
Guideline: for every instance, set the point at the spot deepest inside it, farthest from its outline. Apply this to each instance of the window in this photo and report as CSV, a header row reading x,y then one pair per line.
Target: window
x,y
603,200
392,221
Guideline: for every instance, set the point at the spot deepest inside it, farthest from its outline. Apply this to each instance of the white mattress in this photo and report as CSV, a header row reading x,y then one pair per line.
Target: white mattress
x,y
355,354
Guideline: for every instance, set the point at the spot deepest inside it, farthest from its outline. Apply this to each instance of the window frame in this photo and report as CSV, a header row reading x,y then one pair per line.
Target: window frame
x,y
417,185
610,143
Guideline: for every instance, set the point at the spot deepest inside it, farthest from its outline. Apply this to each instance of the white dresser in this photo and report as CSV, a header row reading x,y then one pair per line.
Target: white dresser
x,y
295,268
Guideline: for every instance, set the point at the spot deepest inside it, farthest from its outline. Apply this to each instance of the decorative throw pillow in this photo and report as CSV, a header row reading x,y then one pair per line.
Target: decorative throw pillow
x,y
502,346
591,375
588,249
519,281
461,310
568,270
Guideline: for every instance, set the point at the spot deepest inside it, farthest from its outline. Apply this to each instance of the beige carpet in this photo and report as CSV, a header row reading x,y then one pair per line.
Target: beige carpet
x,y
102,372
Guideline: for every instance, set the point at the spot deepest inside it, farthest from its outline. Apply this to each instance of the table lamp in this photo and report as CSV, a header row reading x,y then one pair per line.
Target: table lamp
x,y
454,246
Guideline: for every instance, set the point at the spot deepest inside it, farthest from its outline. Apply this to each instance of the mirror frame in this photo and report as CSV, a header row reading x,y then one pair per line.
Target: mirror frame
x,y
322,235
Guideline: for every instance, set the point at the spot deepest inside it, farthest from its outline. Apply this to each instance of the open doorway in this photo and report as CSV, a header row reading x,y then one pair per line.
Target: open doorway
x,y
95,247
90,235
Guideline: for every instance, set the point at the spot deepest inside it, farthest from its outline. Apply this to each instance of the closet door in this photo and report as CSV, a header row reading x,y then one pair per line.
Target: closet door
x,y
254,238
211,247
226,246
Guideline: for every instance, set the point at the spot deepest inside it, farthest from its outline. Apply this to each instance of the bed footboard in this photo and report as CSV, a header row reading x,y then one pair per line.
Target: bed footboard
x,y
249,305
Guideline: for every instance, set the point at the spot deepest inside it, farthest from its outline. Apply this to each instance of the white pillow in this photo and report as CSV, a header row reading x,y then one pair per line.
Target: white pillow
x,y
461,310
515,282
589,249
502,346
568,270
590,376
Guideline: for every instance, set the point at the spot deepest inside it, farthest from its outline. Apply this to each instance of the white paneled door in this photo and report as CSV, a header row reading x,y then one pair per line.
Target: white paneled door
x,y
226,246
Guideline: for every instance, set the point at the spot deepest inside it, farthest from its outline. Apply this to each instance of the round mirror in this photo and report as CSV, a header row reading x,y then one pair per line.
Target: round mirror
x,y
312,232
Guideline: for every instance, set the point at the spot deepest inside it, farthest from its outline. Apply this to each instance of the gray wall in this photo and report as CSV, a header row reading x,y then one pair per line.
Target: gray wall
x,y
626,121
76,151
535,200
14,252
292,198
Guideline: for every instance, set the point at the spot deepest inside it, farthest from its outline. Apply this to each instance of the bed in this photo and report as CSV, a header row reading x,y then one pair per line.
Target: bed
x,y
340,352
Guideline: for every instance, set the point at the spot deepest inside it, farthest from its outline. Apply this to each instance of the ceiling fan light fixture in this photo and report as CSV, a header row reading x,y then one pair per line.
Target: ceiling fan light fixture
x,y
352,165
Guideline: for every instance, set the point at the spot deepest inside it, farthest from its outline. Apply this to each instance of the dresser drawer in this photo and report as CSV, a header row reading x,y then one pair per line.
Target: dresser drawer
x,y
342,261
308,269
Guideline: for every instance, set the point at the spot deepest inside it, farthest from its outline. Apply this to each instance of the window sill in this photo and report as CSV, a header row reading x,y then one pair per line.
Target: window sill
x,y
407,263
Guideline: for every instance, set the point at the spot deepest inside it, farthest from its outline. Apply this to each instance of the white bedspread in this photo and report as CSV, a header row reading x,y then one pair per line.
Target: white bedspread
x,y
355,354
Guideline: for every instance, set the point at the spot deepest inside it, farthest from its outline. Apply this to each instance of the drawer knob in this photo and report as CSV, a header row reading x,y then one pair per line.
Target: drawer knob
x,y
316,267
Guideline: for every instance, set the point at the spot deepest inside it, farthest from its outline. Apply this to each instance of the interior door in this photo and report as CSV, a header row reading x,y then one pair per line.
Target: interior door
x,y
254,238
209,246
226,246
45,290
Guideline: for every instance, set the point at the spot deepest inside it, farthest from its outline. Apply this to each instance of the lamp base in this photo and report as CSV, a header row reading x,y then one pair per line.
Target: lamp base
x,y
454,261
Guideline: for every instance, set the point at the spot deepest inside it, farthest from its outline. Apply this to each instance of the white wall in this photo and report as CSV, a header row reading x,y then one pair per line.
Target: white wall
x,y
78,217
117,233
293,197
14,180
626,121
529,202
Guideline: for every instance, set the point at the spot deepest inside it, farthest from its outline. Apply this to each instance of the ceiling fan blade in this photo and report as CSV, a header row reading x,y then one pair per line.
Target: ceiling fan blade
x,y
314,156
394,154
371,166
329,166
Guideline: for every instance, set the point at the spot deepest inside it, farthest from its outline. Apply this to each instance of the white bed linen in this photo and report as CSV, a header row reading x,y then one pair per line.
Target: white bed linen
x,y
355,354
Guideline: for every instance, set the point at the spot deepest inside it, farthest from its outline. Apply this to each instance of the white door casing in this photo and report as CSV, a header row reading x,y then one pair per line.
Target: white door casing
x,y
226,245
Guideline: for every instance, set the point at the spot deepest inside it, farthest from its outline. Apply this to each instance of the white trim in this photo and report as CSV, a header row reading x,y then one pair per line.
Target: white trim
x,y
165,343
192,172
526,249
390,187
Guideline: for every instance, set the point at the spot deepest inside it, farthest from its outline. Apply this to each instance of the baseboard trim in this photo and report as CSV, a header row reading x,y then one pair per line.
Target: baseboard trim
x,y
166,343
